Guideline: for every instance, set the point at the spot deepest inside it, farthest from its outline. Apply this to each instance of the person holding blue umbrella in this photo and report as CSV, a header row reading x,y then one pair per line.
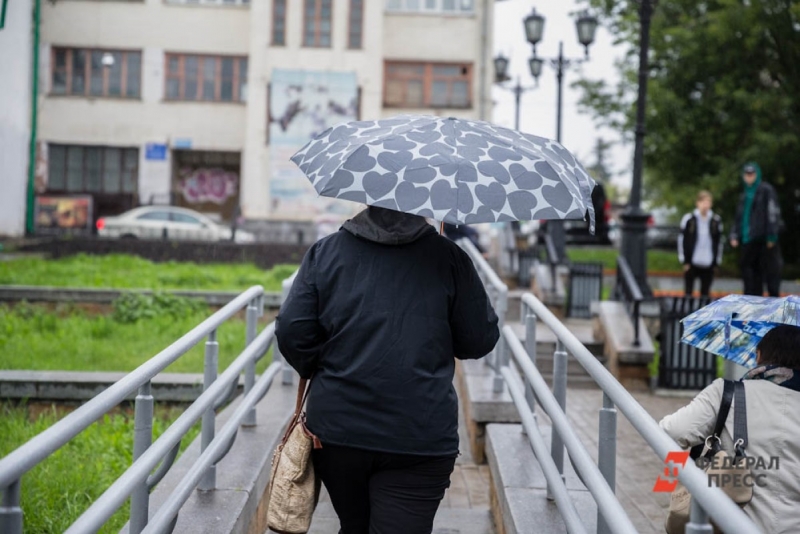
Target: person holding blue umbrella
x,y
771,433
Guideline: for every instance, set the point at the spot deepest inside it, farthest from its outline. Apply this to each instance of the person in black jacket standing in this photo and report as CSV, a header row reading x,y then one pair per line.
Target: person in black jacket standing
x,y
377,315
700,245
756,229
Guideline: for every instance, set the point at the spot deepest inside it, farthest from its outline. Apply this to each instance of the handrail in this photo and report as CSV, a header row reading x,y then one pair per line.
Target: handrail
x,y
498,296
169,510
21,460
607,503
116,495
727,515
626,281
565,505
135,483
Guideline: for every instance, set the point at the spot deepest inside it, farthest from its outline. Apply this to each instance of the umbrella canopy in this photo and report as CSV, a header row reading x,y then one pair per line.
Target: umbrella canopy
x,y
453,170
733,326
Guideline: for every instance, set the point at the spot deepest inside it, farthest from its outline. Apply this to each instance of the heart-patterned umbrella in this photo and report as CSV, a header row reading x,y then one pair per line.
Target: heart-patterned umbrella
x,y
452,170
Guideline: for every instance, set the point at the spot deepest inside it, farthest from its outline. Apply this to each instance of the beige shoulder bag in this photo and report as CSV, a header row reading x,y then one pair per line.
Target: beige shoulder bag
x,y
293,488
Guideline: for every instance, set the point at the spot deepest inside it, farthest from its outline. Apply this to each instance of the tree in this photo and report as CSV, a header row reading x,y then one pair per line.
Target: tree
x,y
724,88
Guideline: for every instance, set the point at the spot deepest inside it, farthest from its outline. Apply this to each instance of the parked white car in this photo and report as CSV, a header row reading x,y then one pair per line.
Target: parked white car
x,y
158,222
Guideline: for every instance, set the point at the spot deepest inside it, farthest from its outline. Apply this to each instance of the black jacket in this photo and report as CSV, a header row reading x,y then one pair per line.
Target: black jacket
x,y
376,314
765,215
688,238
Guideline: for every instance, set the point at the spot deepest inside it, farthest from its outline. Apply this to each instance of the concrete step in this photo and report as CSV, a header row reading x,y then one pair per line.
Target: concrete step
x,y
544,363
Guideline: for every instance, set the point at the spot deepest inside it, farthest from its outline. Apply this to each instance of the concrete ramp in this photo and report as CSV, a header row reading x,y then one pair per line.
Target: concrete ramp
x,y
519,489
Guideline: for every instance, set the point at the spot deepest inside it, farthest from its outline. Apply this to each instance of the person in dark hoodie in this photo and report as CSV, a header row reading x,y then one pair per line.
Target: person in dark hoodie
x,y
376,316
756,229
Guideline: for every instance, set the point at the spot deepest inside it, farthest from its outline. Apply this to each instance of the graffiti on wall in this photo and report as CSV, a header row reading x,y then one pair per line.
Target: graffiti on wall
x,y
200,185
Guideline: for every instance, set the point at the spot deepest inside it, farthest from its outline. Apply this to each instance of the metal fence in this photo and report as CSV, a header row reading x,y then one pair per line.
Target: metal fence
x,y
600,478
137,481
682,366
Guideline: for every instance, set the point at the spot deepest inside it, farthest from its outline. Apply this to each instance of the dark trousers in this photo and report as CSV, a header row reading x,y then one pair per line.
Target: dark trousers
x,y
383,493
760,264
706,276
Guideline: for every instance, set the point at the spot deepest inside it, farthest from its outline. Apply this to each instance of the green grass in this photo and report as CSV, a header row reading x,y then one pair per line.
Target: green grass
x,y
34,337
657,260
58,490
120,271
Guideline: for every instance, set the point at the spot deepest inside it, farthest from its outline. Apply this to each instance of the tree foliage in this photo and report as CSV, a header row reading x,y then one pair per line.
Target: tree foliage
x,y
724,88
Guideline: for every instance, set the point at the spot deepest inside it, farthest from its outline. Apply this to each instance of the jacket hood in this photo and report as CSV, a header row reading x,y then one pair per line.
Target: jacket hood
x,y
757,167
388,227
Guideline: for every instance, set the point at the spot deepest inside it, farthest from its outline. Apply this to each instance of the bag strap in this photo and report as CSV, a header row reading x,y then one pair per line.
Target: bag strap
x,y
740,420
724,408
302,395
297,416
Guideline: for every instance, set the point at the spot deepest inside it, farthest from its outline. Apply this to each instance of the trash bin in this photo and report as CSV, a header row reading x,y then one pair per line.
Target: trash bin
x,y
585,286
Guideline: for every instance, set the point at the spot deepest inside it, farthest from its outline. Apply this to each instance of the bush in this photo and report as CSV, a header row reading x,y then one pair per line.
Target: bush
x,y
132,307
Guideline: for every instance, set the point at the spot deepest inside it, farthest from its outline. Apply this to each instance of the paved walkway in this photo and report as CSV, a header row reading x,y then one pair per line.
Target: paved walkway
x,y
464,509
637,464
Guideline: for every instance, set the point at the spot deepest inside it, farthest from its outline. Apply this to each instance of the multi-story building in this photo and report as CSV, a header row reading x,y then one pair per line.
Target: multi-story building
x,y
200,103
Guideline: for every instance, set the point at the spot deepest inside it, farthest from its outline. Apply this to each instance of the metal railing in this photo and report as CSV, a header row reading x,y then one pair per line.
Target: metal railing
x,y
136,482
498,297
627,290
598,478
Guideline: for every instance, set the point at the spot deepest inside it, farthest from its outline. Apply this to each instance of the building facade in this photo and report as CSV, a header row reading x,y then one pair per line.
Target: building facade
x,y
200,103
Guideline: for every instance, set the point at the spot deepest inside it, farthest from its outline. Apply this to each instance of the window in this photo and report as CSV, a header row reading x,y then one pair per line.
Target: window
x,y
317,23
210,2
279,23
424,85
431,6
209,78
154,216
92,169
82,72
355,35
183,218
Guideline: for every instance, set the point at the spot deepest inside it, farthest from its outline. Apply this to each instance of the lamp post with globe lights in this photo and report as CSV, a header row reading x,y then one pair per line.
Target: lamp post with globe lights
x,y
501,76
586,26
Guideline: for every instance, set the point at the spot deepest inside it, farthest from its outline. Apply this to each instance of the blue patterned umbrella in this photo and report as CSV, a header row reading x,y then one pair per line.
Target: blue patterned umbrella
x,y
733,326
453,170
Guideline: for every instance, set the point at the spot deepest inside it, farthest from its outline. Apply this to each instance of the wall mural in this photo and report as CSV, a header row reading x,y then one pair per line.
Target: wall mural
x,y
303,104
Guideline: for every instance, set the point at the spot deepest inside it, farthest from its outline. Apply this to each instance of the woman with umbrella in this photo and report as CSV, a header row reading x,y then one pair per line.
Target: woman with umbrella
x,y
772,393
375,316
380,310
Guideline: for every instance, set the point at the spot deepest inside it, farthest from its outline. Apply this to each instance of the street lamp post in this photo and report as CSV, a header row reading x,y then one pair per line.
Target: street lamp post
x,y
501,76
634,218
586,26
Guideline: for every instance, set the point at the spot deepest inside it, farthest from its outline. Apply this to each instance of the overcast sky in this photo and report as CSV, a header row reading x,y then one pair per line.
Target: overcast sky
x,y
538,109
